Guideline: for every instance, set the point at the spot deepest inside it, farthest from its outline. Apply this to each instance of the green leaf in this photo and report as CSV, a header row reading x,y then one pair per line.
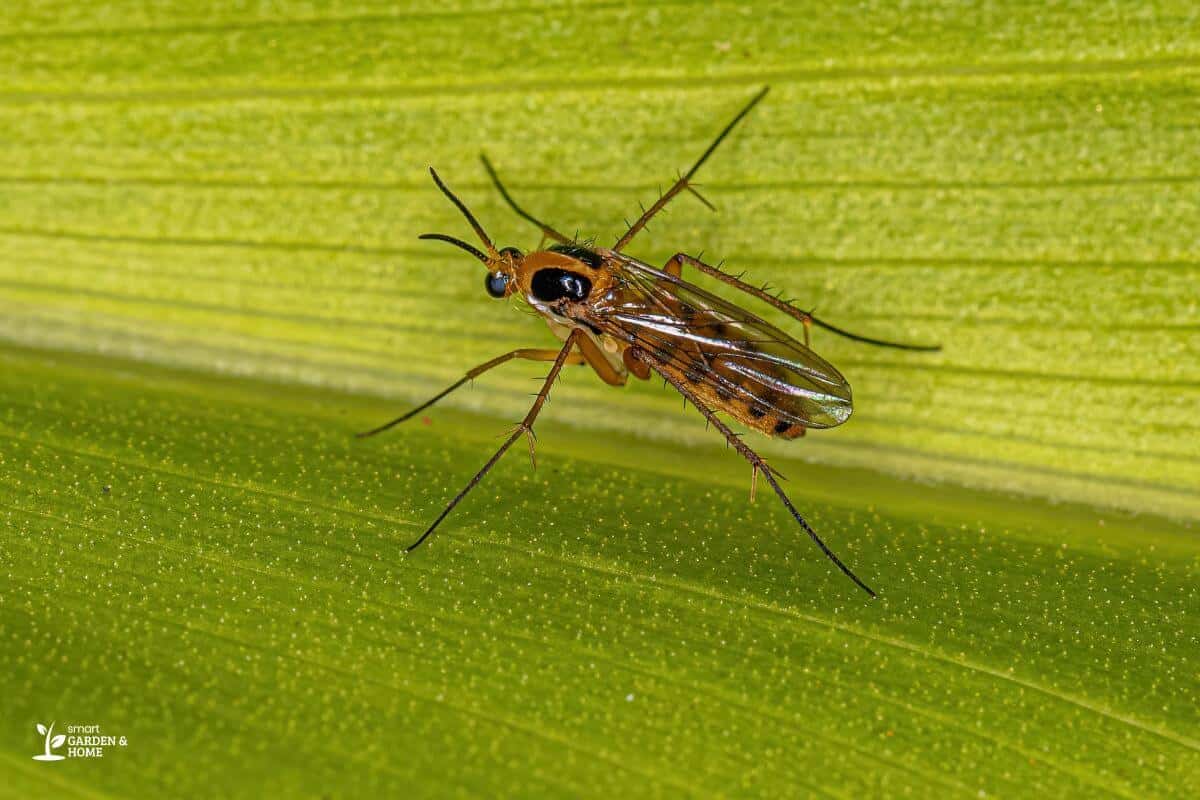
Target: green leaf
x,y
194,562
209,279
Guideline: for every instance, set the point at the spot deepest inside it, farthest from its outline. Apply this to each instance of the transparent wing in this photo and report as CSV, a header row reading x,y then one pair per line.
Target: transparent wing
x,y
714,343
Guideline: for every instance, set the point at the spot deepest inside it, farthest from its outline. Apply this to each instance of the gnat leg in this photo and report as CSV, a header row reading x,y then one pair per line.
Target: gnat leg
x,y
595,358
684,181
757,463
524,428
547,231
529,354
675,267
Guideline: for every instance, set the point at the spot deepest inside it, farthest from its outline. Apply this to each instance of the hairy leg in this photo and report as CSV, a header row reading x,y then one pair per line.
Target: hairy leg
x,y
674,267
524,428
685,181
757,463
527,353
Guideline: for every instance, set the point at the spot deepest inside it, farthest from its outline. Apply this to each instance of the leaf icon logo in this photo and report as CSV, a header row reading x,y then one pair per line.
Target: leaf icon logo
x,y
51,742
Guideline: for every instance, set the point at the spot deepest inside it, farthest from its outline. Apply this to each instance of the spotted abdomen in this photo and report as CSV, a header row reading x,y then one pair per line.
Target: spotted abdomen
x,y
732,360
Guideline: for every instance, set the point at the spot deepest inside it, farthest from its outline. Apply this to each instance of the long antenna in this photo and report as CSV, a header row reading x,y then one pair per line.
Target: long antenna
x,y
483,237
520,212
441,237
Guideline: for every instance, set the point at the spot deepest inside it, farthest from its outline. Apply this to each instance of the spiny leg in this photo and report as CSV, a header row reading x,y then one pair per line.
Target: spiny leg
x,y
684,181
547,231
675,267
757,463
524,428
527,353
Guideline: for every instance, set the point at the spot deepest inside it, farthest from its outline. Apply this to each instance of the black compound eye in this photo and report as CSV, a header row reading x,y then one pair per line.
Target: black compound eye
x,y
496,283
512,252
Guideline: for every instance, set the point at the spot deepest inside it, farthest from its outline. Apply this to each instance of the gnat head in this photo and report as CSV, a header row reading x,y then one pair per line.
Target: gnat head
x,y
501,264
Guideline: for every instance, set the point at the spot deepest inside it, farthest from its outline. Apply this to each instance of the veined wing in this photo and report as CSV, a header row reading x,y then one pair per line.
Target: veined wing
x,y
747,366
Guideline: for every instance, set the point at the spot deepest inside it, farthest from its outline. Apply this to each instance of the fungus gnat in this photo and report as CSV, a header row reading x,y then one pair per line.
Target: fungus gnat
x,y
623,317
